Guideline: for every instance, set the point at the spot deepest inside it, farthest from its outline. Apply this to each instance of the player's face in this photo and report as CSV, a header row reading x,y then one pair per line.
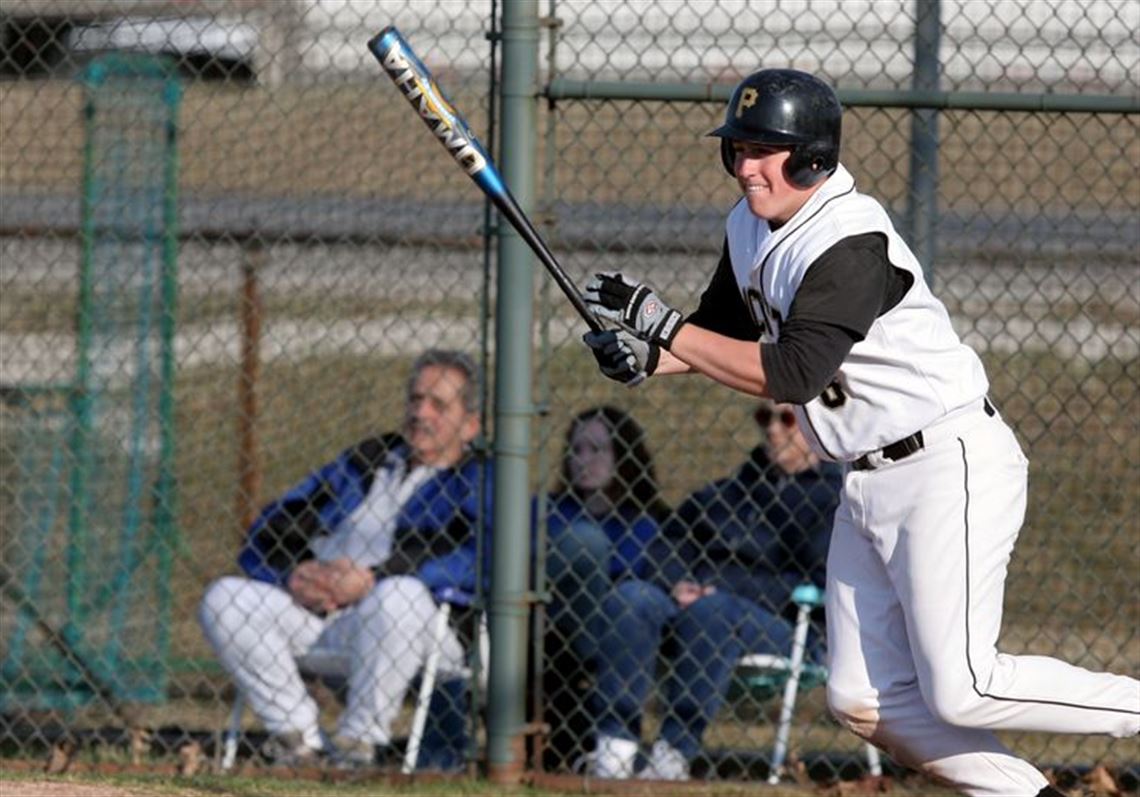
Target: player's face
x,y
763,180
438,425
591,465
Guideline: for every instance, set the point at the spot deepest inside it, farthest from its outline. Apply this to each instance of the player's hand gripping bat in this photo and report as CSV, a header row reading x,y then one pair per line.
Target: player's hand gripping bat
x,y
417,85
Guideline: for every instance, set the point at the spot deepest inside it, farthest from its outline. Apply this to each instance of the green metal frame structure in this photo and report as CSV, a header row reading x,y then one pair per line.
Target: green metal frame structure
x,y
92,593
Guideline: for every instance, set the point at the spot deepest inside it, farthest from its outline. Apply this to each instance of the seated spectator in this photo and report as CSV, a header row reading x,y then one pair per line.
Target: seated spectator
x,y
729,559
601,515
354,557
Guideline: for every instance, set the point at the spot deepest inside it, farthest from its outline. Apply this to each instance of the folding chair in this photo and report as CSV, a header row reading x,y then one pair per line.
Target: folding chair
x,y
791,670
334,663
428,677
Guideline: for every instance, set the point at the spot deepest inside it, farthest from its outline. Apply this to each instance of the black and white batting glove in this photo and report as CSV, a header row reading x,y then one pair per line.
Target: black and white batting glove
x,y
622,356
633,305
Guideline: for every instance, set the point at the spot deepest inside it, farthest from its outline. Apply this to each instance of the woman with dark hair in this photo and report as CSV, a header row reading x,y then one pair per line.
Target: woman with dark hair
x,y
601,516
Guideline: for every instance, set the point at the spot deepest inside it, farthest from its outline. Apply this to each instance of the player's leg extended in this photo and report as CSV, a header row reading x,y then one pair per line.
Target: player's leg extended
x,y
872,687
949,568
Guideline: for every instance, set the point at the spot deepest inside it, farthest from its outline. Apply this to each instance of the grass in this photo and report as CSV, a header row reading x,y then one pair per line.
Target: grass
x,y
17,784
1079,538
1079,534
1071,588
20,785
358,140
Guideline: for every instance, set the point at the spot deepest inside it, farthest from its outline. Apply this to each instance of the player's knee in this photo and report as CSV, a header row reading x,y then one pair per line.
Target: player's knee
x,y
398,599
220,607
953,701
856,711
954,712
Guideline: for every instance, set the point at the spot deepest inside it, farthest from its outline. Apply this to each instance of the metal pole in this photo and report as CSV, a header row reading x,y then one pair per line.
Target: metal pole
x,y
537,696
567,89
166,510
922,208
513,408
254,257
82,397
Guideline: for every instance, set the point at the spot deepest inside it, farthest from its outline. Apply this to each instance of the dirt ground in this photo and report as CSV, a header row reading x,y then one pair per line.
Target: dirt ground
x,y
54,788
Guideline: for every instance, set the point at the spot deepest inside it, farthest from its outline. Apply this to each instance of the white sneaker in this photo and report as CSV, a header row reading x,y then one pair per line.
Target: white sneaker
x,y
613,758
666,762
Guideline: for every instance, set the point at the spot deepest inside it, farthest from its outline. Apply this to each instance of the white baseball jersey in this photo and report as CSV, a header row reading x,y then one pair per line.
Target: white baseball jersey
x,y
909,371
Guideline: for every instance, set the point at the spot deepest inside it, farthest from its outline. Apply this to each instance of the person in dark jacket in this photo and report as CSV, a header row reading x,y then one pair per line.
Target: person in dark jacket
x,y
356,557
727,563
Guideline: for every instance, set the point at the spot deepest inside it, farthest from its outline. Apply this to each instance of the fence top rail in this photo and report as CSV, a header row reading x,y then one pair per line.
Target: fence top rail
x,y
564,89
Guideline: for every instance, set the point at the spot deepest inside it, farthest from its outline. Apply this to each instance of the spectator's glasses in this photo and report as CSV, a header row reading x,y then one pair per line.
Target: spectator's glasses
x,y
765,416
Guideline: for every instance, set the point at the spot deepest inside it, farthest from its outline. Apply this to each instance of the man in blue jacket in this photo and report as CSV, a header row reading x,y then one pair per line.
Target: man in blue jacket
x,y
727,563
355,558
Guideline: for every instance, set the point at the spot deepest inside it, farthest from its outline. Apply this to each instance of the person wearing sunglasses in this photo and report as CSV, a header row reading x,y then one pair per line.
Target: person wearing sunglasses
x,y
724,569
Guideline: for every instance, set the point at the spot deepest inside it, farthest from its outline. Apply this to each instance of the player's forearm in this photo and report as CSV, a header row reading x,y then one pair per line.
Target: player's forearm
x,y
734,363
669,364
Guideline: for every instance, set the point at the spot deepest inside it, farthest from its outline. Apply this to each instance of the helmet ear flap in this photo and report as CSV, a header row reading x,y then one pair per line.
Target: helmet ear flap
x,y
799,167
728,156
809,164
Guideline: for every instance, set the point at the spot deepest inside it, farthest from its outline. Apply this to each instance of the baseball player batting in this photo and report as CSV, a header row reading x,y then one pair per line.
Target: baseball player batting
x,y
935,489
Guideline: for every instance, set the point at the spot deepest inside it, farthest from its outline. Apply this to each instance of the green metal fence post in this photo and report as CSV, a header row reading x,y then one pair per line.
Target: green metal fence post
x,y
922,205
513,403
165,498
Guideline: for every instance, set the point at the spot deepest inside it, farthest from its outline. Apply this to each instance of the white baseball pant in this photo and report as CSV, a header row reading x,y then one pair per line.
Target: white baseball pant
x,y
257,630
915,585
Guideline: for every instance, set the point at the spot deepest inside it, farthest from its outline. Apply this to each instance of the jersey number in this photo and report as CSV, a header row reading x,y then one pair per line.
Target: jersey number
x,y
833,395
761,311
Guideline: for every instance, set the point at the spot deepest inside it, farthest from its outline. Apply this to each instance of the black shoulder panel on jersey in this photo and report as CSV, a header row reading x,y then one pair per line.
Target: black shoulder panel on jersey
x,y
722,309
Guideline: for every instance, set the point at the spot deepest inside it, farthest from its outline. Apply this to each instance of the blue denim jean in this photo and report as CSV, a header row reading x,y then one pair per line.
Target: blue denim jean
x,y
577,570
704,642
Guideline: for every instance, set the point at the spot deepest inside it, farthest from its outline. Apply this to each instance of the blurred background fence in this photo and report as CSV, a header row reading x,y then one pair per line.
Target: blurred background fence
x,y
224,237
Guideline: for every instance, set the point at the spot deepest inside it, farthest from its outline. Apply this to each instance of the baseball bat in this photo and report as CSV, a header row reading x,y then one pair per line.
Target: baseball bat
x,y
415,82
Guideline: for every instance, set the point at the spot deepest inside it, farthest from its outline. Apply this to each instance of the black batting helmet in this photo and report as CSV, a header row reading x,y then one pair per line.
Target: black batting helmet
x,y
785,107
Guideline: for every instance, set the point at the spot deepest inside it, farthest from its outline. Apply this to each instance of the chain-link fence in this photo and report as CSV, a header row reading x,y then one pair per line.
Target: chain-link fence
x,y
224,239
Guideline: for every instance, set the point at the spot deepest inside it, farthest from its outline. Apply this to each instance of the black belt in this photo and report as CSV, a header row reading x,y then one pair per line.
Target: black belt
x,y
902,449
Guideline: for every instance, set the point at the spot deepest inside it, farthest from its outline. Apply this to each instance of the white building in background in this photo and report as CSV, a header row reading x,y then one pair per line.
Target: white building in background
x,y
1009,45
1027,45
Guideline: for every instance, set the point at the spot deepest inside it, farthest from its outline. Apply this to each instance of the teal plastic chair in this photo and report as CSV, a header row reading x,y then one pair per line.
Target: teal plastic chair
x,y
765,674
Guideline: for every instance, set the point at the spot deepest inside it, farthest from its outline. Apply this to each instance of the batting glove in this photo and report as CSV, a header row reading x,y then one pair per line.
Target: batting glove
x,y
622,356
633,305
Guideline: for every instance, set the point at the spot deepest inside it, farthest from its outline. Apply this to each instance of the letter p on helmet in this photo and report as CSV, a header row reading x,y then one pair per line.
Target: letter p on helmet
x,y
748,98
